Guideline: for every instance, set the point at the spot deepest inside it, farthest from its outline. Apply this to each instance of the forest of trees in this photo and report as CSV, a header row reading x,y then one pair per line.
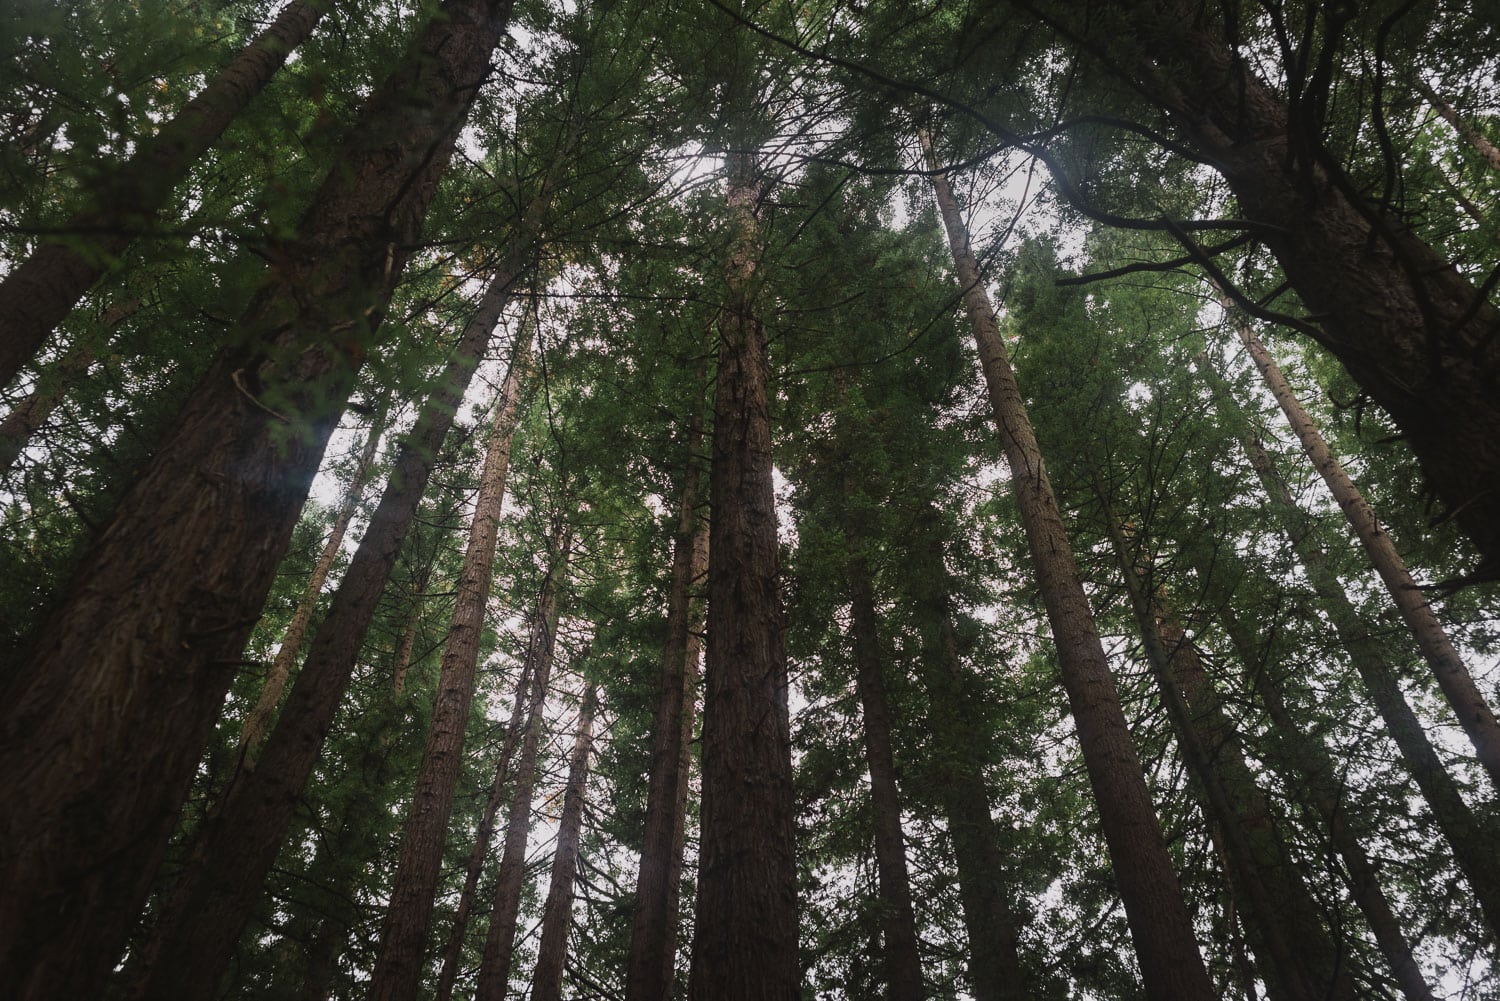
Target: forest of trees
x,y
742,500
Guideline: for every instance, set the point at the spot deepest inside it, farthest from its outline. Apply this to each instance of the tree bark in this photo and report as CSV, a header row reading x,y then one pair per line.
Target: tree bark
x,y
500,939
403,940
745,917
1158,917
103,728
1453,678
30,415
40,291
653,930
259,720
208,907
1487,150
557,913
408,643
903,964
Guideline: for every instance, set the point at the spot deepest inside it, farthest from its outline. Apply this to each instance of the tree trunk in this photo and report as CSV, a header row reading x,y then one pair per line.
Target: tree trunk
x,y
557,913
1474,845
1298,959
500,939
903,964
40,291
1413,331
745,918
408,642
28,417
403,941
259,720
453,950
1313,774
653,930
208,907
103,728
1487,150
1474,714
1158,917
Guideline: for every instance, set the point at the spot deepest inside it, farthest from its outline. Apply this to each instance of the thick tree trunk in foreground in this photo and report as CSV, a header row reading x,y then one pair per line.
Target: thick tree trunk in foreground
x,y
541,648
207,909
1158,917
1474,845
1298,959
1473,712
745,918
653,930
259,720
103,728
557,913
403,940
1313,776
39,292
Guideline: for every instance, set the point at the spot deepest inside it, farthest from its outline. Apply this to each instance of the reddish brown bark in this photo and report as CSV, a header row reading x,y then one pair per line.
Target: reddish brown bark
x,y
500,939
195,938
403,940
745,918
1158,917
39,292
557,913
103,728
653,931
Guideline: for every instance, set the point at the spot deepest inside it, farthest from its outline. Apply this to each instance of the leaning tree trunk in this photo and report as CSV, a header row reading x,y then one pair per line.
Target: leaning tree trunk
x,y
1154,908
103,728
500,939
653,929
259,720
557,913
745,917
1473,712
403,940
1298,958
39,292
194,940
1487,150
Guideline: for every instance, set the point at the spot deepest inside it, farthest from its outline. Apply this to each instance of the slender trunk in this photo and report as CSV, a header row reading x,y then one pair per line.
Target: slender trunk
x,y
28,417
1314,775
1474,845
409,634
403,940
500,939
1474,714
1158,917
208,907
745,918
1297,957
259,720
903,964
103,728
453,950
1413,332
557,913
40,291
653,930
1481,143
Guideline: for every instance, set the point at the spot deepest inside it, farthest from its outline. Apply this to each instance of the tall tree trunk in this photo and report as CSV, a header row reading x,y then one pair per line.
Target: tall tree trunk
x,y
745,917
403,940
557,913
103,728
408,644
1158,917
500,939
259,720
1487,150
1313,774
453,949
1474,714
40,291
1413,332
898,922
1474,845
1298,958
207,909
653,930
30,415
